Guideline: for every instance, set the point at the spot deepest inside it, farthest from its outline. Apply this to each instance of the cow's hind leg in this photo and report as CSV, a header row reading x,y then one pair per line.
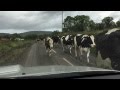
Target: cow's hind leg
x,y
88,54
75,51
62,45
70,49
49,53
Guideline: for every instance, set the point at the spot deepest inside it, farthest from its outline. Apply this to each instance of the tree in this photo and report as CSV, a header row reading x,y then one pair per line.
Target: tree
x,y
64,30
92,25
108,22
55,33
32,36
118,23
15,35
82,22
113,24
68,22
99,26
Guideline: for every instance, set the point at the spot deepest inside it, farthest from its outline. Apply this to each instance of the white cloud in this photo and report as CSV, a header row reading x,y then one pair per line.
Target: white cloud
x,y
19,21
22,21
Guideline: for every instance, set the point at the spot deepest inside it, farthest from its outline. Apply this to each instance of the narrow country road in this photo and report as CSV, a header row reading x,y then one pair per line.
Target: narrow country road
x,y
37,57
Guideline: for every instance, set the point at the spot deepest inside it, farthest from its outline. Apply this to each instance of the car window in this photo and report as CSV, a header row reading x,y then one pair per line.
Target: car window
x,y
60,38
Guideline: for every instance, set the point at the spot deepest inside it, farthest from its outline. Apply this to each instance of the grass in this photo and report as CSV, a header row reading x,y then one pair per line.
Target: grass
x,y
4,46
9,50
13,57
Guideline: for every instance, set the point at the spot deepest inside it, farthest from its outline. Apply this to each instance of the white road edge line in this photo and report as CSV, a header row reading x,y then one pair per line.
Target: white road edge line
x,y
68,61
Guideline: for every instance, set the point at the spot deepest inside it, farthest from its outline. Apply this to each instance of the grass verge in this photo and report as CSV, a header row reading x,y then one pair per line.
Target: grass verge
x,y
11,50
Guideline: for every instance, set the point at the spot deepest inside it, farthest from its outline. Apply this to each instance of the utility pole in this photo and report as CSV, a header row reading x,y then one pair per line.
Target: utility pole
x,y
62,20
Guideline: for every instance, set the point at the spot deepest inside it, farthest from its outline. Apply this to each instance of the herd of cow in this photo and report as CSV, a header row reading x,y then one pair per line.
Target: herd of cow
x,y
106,43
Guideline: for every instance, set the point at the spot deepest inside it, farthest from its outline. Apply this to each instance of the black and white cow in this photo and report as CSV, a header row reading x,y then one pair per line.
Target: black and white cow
x,y
41,38
108,45
68,41
84,43
48,45
56,39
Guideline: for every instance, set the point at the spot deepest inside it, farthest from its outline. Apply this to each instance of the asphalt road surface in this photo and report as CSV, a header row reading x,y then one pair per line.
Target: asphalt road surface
x,y
37,56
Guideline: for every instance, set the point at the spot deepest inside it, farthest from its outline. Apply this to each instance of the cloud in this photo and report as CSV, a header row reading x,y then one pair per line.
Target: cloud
x,y
22,21
19,21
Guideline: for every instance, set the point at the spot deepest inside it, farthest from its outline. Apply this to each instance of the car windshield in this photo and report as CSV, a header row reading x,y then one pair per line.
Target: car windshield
x,y
60,38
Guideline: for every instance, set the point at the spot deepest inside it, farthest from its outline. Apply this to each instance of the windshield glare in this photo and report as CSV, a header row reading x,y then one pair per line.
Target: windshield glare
x,y
60,38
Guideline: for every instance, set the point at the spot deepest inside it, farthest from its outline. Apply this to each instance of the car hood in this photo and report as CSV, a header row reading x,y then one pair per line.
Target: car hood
x,y
19,71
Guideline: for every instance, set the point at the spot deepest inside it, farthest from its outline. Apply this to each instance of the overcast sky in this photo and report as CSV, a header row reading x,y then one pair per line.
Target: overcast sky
x,y
22,21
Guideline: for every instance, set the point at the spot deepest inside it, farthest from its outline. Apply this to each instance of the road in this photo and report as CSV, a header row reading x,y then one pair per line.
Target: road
x,y
37,56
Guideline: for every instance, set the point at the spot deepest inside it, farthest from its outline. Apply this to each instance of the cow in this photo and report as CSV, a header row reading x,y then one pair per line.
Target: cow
x,y
108,45
84,43
41,38
68,41
56,39
49,45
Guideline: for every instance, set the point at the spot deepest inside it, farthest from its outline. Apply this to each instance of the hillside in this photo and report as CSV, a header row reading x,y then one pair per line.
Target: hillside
x,y
4,34
35,32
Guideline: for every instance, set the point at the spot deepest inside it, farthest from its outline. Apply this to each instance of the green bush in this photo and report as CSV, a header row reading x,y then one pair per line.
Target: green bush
x,y
6,46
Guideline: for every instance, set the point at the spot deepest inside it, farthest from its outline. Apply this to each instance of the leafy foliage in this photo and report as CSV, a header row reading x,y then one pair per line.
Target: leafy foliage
x,y
82,23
